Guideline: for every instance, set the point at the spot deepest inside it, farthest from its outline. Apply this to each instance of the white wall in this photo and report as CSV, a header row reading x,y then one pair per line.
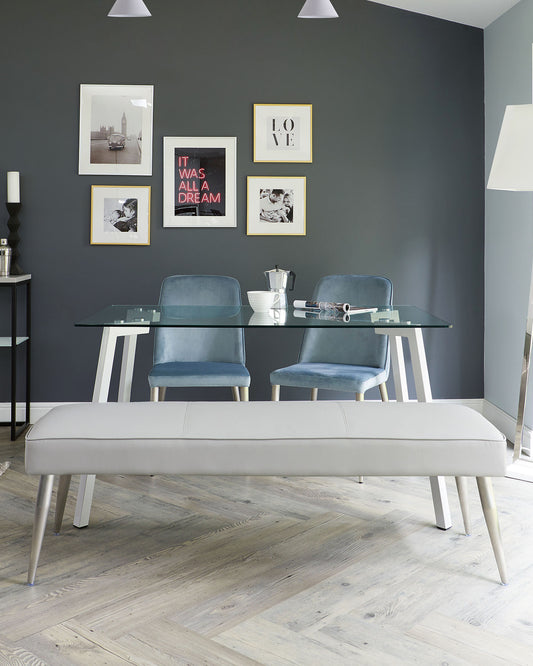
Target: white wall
x,y
509,215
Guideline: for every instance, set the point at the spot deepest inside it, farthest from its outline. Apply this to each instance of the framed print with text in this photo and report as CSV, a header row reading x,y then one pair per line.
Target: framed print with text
x,y
199,181
283,133
120,215
276,206
116,126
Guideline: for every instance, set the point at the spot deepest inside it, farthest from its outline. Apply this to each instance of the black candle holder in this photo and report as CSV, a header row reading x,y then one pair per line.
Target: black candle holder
x,y
14,239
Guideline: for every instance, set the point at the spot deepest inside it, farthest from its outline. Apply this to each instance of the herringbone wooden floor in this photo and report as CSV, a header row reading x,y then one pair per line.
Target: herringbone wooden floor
x,y
318,571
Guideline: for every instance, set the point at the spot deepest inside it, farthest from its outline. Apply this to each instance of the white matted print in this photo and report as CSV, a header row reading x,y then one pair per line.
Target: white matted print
x,y
276,206
116,130
199,181
283,133
120,215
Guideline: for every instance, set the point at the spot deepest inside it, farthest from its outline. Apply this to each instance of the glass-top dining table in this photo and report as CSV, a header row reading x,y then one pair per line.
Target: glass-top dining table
x,y
129,321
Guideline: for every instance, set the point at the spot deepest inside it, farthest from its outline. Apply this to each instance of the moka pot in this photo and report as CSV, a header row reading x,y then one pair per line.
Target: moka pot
x,y
277,280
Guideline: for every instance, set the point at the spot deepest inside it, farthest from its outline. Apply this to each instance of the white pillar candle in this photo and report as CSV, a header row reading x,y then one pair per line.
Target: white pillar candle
x,y
13,187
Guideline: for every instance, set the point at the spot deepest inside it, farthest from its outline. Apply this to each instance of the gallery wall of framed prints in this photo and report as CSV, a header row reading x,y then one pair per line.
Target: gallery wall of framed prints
x,y
199,173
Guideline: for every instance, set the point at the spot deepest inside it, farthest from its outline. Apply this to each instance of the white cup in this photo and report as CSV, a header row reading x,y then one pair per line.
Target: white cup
x,y
262,301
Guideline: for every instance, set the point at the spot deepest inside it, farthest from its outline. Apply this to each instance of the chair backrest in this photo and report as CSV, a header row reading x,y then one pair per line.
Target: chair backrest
x,y
350,346
223,345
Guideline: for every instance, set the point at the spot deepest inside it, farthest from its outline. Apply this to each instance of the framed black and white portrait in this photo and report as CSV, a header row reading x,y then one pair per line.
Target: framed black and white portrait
x,y
276,206
120,215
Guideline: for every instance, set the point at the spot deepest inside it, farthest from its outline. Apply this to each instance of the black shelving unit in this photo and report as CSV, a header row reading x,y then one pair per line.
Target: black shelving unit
x,y
15,342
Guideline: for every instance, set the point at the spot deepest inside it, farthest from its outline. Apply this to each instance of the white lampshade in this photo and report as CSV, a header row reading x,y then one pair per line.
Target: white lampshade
x,y
512,167
318,9
129,8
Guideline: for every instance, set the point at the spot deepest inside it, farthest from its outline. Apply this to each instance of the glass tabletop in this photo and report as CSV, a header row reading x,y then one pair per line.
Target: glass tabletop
x,y
215,316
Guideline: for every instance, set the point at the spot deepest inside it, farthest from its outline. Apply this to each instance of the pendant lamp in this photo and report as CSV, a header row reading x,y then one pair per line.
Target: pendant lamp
x,y
129,9
318,9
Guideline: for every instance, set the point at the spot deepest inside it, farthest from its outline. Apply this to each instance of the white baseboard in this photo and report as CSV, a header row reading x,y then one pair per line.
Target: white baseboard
x,y
507,425
39,409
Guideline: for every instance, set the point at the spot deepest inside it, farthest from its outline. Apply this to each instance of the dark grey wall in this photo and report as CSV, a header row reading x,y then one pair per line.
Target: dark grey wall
x,y
395,188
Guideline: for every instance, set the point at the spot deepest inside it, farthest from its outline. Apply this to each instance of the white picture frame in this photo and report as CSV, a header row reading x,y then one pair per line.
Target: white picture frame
x,y
283,132
120,215
199,181
276,206
108,112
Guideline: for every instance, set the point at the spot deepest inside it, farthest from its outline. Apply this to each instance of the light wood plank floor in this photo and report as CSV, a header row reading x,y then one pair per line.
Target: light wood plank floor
x,y
269,571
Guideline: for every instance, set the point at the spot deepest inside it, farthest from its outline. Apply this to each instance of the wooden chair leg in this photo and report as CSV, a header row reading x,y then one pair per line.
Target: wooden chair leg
x,y
61,500
236,394
462,490
275,392
42,507
384,393
488,504
245,394
314,394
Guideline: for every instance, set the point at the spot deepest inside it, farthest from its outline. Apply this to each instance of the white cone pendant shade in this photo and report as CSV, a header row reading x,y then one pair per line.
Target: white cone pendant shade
x,y
318,9
129,8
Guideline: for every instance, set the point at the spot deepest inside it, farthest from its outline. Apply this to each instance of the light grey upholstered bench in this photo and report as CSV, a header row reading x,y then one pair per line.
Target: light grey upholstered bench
x,y
265,438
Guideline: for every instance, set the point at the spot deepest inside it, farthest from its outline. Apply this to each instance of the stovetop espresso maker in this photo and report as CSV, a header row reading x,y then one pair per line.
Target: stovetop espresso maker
x,y
277,280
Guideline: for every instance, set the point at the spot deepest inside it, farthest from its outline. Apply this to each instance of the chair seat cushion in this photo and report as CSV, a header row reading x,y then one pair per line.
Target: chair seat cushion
x,y
333,376
189,373
319,438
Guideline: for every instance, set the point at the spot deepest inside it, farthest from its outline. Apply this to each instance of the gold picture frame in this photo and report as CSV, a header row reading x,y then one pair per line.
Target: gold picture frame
x,y
283,133
120,215
276,206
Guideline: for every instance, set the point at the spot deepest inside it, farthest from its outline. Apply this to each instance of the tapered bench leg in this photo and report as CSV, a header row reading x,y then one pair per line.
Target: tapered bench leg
x,y
39,524
462,491
488,504
61,500
275,392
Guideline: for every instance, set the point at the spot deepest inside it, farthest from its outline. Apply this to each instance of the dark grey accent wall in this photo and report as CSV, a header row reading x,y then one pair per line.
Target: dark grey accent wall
x,y
395,187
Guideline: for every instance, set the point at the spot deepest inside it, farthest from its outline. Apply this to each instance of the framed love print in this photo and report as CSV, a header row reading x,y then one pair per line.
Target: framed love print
x,y
283,133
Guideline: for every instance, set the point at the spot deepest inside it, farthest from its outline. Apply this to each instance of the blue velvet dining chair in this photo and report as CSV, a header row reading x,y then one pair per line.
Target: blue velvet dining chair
x,y
353,360
199,356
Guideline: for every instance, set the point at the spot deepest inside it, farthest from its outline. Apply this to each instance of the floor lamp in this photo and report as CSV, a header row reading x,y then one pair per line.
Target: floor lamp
x,y
512,169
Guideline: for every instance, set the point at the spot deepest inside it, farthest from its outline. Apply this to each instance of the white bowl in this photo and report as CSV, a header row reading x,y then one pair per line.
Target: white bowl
x,y
261,301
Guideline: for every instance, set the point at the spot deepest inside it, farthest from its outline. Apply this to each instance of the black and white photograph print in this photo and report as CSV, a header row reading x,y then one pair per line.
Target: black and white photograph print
x,y
116,130
120,215
276,206
283,133
199,181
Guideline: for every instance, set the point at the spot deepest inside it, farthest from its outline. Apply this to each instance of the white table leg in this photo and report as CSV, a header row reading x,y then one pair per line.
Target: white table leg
x,y
399,375
419,363
110,334
423,394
